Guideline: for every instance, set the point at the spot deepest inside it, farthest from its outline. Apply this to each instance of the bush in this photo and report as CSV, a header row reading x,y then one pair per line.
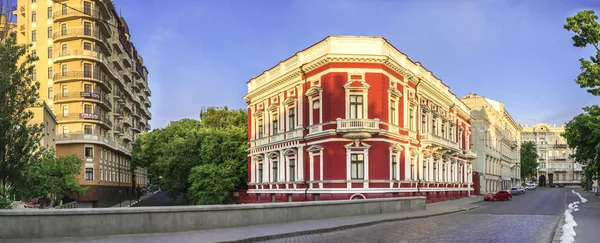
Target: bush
x,y
5,203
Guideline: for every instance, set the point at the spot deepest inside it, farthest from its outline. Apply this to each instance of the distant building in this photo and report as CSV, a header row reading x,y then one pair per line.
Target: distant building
x,y
496,140
352,117
42,115
556,167
95,82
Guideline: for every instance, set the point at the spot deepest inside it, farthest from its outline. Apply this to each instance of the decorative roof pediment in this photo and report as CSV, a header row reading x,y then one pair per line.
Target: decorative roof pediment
x,y
314,91
414,151
258,113
258,157
289,101
273,155
272,107
357,84
289,152
395,92
397,147
314,148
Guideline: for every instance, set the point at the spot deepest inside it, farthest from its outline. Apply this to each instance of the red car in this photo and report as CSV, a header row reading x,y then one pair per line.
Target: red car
x,y
501,195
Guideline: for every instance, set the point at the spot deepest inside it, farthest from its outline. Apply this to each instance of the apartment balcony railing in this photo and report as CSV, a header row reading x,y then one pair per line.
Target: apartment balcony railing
x,y
578,169
148,126
97,77
560,145
561,169
118,112
558,158
90,137
76,12
94,95
84,116
79,54
435,140
345,126
80,33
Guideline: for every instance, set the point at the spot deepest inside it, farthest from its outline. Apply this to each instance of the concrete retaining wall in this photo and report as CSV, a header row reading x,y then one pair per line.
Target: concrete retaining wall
x,y
16,224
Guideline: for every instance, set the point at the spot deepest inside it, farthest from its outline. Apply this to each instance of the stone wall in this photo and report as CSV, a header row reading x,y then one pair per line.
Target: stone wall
x,y
79,222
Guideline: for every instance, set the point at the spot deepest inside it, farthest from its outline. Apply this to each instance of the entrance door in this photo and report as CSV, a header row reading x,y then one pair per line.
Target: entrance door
x,y
542,181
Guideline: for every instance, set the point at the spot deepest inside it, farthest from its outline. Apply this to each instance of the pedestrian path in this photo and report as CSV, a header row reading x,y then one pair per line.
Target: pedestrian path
x,y
273,231
129,203
588,218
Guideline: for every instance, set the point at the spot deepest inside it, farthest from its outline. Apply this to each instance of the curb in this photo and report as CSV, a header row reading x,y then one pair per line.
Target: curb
x,y
343,227
558,229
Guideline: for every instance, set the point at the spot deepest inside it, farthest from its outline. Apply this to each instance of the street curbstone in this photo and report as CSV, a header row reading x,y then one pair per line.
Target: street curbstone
x,y
345,227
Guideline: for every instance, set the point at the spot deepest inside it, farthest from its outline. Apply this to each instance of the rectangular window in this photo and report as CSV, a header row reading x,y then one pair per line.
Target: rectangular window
x,y
433,127
393,113
101,174
33,16
34,53
87,8
50,73
87,88
87,108
65,130
65,90
89,174
49,12
260,172
357,166
33,35
87,70
260,128
50,52
63,28
292,170
50,32
65,110
87,28
424,123
443,130
63,69
275,171
394,167
291,119
356,106
64,9
50,92
87,46
452,138
275,125
89,152
412,169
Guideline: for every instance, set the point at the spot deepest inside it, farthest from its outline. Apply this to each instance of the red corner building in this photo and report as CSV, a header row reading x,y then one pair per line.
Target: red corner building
x,y
351,117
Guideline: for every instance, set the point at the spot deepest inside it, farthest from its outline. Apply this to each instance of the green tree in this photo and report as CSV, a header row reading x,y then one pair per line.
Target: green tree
x,y
587,32
19,140
529,158
583,136
203,160
52,178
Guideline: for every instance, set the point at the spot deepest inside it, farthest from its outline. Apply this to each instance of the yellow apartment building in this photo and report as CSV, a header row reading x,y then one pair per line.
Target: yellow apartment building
x,y
555,165
95,82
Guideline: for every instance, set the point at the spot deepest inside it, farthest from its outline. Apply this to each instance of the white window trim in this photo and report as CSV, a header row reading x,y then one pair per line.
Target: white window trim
x,y
395,150
363,91
314,150
353,148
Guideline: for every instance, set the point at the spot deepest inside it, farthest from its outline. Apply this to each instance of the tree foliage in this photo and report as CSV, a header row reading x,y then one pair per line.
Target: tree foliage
x,y
19,140
202,160
583,136
587,32
529,158
52,177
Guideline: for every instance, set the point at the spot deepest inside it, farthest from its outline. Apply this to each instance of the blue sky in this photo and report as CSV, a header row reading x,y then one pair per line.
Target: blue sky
x,y
202,52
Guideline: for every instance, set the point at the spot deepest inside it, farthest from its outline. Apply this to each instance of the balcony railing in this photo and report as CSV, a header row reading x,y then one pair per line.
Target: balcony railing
x,y
84,116
82,53
76,136
76,12
78,33
94,76
94,95
439,141
357,125
561,169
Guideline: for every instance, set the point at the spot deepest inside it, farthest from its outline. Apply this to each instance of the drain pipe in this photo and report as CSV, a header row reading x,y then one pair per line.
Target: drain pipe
x,y
418,138
305,160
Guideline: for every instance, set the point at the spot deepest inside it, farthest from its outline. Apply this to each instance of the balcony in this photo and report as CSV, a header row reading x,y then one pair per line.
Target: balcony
x,y
560,145
85,116
578,169
135,128
357,128
97,77
437,141
562,170
79,54
76,12
76,33
81,136
127,122
78,96
559,158
118,113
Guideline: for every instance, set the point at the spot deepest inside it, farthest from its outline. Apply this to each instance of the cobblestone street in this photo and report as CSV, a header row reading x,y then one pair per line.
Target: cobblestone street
x,y
531,217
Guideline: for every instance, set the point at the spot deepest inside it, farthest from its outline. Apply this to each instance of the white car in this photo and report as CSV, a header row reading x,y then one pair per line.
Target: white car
x,y
530,186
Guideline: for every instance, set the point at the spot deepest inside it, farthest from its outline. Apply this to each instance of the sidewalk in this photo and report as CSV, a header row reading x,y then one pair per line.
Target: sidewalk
x,y
129,203
274,231
588,218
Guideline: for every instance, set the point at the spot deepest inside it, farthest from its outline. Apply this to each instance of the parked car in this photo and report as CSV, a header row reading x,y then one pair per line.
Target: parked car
x,y
500,195
521,188
515,191
530,186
